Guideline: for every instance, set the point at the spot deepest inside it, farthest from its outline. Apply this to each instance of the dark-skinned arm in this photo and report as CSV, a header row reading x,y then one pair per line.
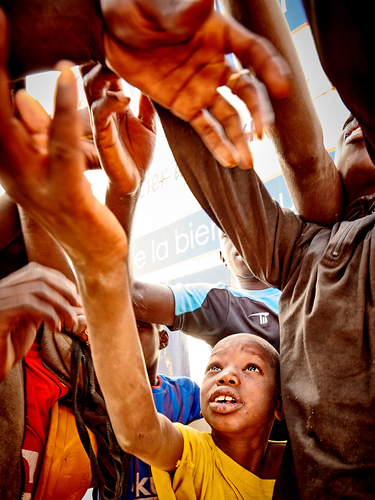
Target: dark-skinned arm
x,y
52,187
125,145
43,249
10,227
310,173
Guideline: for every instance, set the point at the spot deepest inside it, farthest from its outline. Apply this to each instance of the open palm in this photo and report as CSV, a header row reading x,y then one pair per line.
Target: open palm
x,y
125,142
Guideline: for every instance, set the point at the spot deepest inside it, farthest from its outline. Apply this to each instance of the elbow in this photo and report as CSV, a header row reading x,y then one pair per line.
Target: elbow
x,y
139,444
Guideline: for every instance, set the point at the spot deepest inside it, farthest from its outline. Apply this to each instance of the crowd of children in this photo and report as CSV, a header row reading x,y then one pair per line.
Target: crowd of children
x,y
319,259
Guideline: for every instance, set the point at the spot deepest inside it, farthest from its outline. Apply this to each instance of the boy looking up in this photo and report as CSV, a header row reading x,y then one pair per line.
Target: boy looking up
x,y
240,398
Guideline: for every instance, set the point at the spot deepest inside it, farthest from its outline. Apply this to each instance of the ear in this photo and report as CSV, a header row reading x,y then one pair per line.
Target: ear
x,y
279,410
164,339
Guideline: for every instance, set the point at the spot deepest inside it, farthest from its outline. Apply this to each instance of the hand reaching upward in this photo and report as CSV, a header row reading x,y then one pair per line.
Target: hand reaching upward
x,y
49,182
183,74
125,142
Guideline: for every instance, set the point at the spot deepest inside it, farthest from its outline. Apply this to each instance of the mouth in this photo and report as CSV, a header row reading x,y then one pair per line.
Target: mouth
x,y
225,401
353,135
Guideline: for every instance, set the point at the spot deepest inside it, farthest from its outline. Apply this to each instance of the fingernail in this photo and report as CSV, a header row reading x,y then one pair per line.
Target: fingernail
x,y
62,64
65,75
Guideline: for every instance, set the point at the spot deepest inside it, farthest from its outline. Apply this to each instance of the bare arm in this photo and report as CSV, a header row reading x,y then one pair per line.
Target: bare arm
x,y
12,249
310,173
126,145
41,248
52,187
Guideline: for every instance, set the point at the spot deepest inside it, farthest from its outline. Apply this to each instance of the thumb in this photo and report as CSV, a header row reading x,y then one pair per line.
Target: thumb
x,y
32,114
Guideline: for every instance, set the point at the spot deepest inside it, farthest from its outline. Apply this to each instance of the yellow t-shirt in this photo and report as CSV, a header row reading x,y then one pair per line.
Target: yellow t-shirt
x,y
205,472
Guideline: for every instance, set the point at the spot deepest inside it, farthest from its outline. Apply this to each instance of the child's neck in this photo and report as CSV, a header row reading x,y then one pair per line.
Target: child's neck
x,y
248,452
152,376
272,460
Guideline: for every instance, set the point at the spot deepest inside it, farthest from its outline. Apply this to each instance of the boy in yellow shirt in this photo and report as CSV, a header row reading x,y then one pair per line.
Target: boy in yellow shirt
x,y
240,392
240,399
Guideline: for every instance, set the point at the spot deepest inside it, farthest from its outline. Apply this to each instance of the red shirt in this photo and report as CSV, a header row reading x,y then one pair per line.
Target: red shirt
x,y
43,389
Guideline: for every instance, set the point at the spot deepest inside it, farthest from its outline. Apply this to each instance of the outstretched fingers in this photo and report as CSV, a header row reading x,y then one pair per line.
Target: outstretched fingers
x,y
213,136
229,119
254,94
64,145
258,53
32,114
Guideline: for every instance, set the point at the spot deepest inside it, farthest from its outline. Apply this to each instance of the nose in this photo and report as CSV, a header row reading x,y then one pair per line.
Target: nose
x,y
228,377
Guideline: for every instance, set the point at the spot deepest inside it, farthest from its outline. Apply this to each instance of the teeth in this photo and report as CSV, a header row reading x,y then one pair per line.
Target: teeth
x,y
223,399
357,130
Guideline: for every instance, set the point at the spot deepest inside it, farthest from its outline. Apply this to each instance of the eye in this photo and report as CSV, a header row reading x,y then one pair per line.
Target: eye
x,y
253,368
213,368
350,118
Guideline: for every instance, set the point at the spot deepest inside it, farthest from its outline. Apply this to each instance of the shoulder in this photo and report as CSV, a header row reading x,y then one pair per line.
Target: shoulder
x,y
194,288
268,296
183,383
190,297
195,439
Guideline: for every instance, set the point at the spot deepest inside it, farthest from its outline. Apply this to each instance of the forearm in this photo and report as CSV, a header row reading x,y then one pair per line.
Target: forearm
x,y
43,249
123,206
115,346
43,32
297,135
151,302
120,367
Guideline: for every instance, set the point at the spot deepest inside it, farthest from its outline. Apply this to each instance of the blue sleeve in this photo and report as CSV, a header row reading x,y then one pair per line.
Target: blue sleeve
x,y
178,399
190,297
201,310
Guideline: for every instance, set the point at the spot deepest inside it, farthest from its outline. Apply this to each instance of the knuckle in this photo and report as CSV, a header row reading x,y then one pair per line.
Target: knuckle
x,y
60,151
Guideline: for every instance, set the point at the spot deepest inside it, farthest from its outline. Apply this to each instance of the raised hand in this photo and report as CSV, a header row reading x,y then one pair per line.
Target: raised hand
x,y
38,124
29,297
49,183
183,74
125,143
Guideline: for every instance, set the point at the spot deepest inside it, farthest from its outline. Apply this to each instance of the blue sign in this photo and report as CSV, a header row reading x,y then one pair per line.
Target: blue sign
x,y
294,13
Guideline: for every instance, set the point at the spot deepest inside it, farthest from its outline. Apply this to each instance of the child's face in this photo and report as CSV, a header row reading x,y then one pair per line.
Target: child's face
x,y
150,341
239,387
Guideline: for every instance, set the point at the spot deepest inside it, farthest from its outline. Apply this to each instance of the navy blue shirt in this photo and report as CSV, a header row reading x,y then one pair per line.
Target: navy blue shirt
x,y
212,312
